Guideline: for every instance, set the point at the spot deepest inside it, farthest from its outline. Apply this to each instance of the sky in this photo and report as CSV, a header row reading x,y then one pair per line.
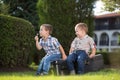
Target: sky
x,y
98,8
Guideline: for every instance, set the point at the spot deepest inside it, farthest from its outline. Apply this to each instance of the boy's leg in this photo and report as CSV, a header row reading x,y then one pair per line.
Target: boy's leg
x,y
40,67
70,59
48,60
82,56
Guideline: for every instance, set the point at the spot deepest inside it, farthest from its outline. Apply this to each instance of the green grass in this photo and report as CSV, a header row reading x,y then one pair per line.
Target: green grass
x,y
106,74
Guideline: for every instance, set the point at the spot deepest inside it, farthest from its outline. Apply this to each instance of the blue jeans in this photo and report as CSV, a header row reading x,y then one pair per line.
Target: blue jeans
x,y
78,56
45,63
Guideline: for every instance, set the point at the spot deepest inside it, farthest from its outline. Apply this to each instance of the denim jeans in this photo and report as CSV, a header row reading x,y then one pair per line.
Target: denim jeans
x,y
45,63
78,56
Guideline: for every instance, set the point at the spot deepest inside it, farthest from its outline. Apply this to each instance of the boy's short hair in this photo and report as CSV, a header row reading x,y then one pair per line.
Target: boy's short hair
x,y
48,27
82,26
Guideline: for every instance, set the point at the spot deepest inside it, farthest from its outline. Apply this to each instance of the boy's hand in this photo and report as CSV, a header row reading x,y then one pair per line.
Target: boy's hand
x,y
92,55
64,57
36,38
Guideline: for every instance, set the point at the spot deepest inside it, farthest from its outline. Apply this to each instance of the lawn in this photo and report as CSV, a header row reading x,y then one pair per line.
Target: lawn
x,y
106,74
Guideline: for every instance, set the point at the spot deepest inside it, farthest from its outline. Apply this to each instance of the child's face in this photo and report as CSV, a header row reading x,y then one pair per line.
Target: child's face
x,y
78,32
42,31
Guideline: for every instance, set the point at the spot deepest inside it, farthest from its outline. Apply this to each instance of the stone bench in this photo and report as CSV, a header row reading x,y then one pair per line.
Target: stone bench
x,y
94,64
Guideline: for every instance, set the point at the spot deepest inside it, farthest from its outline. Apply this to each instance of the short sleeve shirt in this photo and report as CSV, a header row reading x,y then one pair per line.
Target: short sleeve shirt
x,y
85,43
51,45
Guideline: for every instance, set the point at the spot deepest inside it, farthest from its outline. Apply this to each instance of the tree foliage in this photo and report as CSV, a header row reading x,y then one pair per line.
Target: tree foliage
x,y
25,9
64,15
4,8
111,5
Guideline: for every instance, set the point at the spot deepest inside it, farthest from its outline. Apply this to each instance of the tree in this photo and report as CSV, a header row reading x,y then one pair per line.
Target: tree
x,y
64,15
4,8
111,5
25,9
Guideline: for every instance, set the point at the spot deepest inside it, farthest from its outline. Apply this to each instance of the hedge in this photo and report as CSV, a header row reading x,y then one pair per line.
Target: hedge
x,y
114,59
111,58
16,41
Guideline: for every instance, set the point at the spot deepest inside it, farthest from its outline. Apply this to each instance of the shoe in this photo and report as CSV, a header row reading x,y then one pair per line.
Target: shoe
x,y
72,72
43,74
37,74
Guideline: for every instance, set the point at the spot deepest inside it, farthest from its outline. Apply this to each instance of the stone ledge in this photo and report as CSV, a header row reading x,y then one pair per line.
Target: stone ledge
x,y
94,64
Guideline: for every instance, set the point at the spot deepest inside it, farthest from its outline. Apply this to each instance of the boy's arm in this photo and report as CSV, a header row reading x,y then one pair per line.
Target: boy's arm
x,y
37,43
71,50
62,52
93,52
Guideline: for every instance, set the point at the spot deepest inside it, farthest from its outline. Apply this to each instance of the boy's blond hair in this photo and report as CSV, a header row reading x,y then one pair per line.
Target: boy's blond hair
x,y
82,26
48,27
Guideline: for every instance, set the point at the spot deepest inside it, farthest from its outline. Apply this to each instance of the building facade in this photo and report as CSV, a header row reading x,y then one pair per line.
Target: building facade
x,y
107,32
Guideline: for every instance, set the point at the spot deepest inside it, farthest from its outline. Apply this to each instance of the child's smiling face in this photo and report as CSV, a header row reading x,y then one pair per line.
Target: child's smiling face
x,y
79,32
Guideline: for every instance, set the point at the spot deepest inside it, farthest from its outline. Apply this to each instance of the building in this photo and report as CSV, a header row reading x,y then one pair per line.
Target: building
x,y
107,32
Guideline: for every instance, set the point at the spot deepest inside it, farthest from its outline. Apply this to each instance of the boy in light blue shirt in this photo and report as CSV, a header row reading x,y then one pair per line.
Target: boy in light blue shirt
x,y
52,47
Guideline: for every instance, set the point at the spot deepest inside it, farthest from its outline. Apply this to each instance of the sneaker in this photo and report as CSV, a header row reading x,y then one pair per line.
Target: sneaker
x,y
72,72
37,74
43,73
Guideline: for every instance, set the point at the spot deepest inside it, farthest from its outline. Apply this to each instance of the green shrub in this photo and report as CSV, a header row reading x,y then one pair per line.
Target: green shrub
x,y
16,41
111,58
105,57
114,59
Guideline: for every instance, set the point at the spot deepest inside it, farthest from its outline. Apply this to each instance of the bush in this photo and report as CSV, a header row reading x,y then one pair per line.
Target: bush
x,y
114,59
111,58
105,57
16,41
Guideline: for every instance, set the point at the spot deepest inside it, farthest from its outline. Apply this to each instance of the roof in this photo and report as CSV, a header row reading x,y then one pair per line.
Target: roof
x,y
108,15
